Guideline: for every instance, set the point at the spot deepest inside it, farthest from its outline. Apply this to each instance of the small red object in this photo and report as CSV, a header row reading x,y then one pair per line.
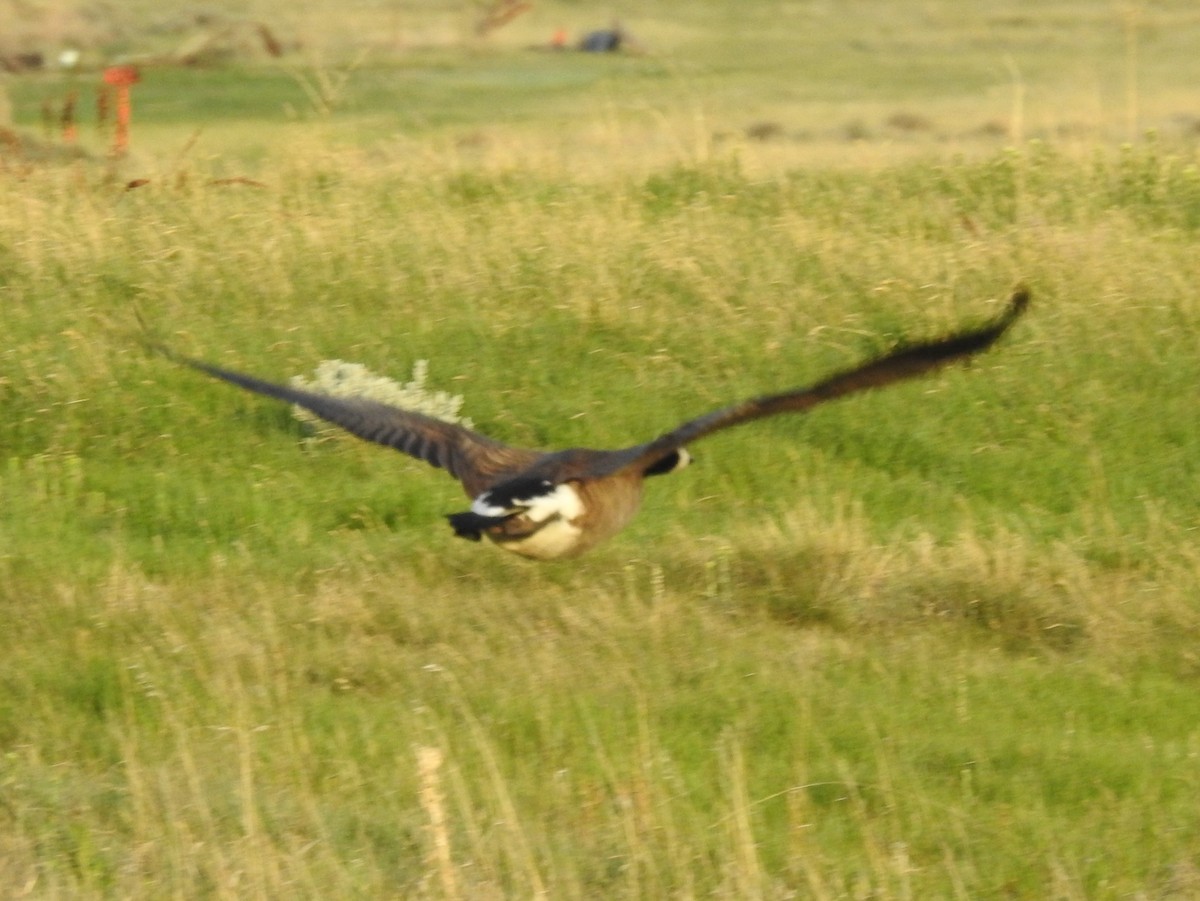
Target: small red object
x,y
121,77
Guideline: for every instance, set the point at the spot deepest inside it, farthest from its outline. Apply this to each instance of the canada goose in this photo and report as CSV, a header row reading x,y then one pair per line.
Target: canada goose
x,y
549,504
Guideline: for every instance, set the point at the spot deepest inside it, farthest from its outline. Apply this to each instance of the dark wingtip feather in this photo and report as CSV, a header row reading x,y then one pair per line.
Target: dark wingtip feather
x,y
1018,303
961,346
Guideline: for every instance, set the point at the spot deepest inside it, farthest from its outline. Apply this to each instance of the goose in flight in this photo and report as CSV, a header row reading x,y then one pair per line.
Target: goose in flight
x,y
551,504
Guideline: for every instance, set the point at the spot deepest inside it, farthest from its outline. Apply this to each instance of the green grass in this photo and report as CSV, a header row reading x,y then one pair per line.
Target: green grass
x,y
938,642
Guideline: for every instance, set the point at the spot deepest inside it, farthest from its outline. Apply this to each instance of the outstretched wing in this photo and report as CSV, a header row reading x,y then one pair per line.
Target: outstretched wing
x,y
906,362
477,461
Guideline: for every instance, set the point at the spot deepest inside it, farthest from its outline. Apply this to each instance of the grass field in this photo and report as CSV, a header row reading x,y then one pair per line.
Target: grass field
x,y
938,642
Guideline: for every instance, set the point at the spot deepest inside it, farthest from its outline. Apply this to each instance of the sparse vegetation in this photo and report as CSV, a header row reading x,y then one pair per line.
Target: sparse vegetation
x,y
338,378
939,642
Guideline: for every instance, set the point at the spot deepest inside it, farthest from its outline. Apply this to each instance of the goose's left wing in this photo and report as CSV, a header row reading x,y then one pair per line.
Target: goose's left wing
x,y
906,362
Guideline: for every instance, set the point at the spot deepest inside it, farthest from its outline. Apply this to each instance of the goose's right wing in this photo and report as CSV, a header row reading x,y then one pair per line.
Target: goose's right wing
x,y
474,459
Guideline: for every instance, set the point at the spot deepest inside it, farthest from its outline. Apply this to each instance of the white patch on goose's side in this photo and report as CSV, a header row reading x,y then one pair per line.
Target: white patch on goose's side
x,y
503,500
559,535
563,502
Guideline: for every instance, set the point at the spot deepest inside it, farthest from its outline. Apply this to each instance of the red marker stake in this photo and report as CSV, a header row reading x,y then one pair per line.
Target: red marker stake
x,y
122,78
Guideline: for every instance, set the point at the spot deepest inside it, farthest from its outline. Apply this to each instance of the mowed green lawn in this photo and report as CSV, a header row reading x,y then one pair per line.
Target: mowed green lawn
x,y
941,641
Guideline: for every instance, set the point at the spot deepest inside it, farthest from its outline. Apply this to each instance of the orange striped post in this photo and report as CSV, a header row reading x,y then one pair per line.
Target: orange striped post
x,y
122,78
